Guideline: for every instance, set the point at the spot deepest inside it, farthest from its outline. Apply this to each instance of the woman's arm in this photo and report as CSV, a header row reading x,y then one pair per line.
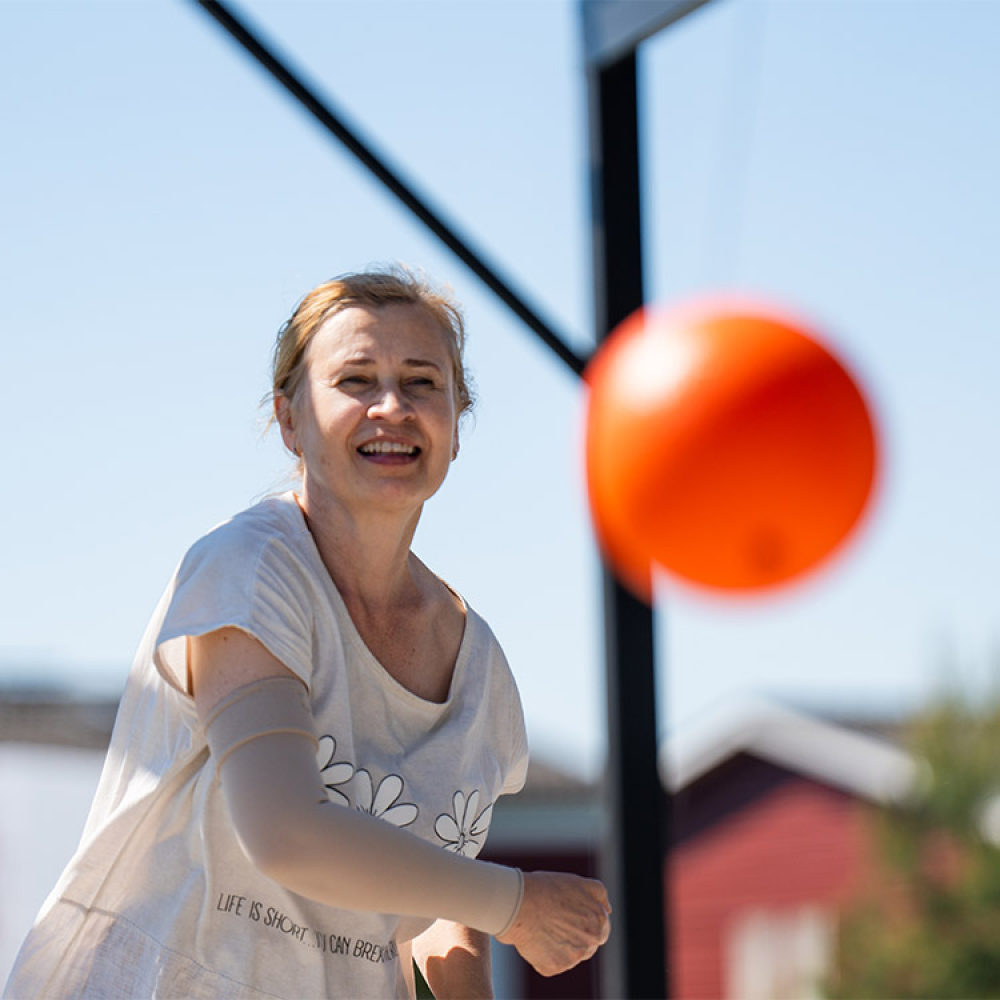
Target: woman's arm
x,y
261,738
224,660
455,961
259,729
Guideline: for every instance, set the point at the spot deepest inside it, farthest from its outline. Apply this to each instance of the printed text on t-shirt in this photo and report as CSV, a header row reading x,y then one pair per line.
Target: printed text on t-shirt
x,y
318,940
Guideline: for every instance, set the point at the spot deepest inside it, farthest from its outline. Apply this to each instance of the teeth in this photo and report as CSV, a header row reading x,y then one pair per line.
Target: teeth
x,y
387,448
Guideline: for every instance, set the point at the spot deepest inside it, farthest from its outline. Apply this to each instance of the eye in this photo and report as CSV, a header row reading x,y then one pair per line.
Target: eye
x,y
353,380
421,382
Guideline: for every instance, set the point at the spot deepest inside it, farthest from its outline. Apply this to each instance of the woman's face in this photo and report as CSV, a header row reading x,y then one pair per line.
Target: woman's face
x,y
375,418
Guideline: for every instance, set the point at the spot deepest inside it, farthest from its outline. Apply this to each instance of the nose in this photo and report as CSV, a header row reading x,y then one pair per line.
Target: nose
x,y
390,403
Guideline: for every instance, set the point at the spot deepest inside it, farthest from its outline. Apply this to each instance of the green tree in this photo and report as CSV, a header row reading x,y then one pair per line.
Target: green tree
x,y
930,927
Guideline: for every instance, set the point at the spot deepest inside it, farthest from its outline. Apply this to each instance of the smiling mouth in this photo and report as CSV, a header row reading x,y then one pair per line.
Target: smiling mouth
x,y
395,449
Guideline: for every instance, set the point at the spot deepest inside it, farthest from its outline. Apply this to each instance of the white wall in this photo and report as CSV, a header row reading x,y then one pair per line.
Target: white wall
x,y
45,794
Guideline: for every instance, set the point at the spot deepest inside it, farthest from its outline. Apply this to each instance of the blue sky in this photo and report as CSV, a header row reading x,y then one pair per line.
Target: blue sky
x,y
164,206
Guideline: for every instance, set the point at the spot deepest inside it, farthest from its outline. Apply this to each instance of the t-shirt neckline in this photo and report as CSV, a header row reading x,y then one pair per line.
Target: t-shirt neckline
x,y
346,622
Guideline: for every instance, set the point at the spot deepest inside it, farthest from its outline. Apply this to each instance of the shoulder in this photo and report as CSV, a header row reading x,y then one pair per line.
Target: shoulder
x,y
256,564
483,635
489,668
275,517
253,573
241,540
500,693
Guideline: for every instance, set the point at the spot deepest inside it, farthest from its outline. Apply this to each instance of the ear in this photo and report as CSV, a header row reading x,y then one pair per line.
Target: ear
x,y
454,445
286,421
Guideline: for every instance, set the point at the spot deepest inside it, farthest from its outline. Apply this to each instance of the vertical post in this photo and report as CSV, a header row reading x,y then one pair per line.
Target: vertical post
x,y
633,863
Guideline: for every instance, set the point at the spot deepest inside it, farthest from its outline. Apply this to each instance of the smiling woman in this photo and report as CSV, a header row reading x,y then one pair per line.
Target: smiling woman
x,y
376,391
373,290
316,727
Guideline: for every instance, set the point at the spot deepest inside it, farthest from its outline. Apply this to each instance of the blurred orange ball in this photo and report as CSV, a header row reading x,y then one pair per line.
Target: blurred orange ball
x,y
725,444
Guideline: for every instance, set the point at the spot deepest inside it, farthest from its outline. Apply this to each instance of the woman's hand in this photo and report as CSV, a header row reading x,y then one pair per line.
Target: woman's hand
x,y
455,961
562,921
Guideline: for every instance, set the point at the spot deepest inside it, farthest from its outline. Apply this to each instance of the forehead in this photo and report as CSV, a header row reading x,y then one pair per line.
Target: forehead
x,y
394,332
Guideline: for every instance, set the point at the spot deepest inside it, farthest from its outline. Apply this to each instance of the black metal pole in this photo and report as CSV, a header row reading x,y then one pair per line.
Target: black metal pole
x,y
321,110
635,962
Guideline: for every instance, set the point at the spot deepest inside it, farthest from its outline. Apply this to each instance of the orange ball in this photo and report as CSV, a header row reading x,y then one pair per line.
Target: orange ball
x,y
725,444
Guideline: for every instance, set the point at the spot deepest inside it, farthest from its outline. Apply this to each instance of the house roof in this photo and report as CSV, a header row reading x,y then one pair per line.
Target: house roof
x,y
865,765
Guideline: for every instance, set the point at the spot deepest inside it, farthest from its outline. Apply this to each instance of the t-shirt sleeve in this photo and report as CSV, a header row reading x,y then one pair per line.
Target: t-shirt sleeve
x,y
506,728
241,578
517,772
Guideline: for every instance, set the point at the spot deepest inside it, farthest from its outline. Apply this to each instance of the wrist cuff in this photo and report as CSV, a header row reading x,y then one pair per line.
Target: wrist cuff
x,y
517,903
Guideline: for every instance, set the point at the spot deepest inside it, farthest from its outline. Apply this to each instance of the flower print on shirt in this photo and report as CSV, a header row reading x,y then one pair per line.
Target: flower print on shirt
x,y
332,771
382,803
463,831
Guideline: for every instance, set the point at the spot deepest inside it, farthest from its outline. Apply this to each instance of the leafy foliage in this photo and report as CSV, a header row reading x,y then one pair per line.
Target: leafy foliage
x,y
930,925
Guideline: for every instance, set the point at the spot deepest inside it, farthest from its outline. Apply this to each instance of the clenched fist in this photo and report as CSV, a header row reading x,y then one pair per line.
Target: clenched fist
x,y
562,921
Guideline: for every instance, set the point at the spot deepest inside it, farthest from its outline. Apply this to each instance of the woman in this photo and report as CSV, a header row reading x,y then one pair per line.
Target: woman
x,y
316,727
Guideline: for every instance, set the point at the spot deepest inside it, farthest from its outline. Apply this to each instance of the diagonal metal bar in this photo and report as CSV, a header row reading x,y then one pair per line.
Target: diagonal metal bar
x,y
333,123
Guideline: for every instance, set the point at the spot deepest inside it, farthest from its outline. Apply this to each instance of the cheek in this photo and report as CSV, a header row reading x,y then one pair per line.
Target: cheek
x,y
330,410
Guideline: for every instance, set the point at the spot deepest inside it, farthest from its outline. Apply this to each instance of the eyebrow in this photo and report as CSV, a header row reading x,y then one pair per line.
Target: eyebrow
x,y
364,360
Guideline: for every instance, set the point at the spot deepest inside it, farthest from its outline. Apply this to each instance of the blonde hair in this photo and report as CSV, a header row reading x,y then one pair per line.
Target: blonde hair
x,y
396,285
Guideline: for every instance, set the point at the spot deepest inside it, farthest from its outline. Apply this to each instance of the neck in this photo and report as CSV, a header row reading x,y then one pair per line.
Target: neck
x,y
366,553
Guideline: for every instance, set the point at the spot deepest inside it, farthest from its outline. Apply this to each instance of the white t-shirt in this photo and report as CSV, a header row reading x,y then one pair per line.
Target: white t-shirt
x,y
160,899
